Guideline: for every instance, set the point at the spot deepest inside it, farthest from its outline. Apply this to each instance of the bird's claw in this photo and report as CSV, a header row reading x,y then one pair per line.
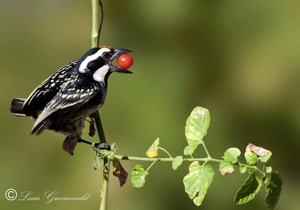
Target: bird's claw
x,y
102,146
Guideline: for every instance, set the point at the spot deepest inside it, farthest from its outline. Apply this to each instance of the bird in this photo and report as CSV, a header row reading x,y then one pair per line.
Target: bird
x,y
64,100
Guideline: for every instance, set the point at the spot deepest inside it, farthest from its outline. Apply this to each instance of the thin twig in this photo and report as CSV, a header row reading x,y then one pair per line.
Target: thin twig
x,y
169,159
95,40
100,130
95,23
101,22
206,150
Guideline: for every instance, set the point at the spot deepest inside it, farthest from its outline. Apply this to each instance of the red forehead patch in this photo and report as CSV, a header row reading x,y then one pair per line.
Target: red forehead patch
x,y
104,46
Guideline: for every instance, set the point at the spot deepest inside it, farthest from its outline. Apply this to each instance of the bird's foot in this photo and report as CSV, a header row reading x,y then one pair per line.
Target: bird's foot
x,y
102,146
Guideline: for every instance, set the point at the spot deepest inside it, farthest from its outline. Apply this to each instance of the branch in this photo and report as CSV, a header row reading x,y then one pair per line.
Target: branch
x,y
122,157
95,23
200,175
95,38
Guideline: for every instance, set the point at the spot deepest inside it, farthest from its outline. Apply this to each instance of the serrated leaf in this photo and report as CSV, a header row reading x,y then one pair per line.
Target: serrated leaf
x,y
177,162
243,168
232,154
250,157
197,181
226,167
138,176
196,127
262,153
152,151
273,190
120,172
248,190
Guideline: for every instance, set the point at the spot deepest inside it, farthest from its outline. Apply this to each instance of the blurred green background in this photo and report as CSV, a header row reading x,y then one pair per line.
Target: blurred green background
x,y
239,59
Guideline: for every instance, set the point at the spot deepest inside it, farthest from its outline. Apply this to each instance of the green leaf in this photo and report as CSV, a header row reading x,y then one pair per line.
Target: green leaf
x,y
230,158
152,151
232,154
113,146
226,167
262,153
267,168
252,170
243,168
177,162
250,157
188,150
265,158
197,181
138,176
273,189
248,190
196,127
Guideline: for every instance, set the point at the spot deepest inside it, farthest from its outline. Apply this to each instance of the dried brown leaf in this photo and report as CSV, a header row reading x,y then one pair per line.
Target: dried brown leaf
x,y
92,129
120,172
259,151
69,145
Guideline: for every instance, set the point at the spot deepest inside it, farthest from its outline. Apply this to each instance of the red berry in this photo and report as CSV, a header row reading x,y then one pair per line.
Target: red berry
x,y
125,61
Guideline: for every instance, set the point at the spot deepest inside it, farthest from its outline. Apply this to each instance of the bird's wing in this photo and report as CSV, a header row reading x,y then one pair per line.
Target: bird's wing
x,y
68,100
45,92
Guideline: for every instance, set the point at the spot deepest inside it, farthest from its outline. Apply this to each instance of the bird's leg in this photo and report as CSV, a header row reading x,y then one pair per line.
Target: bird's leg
x,y
84,141
103,146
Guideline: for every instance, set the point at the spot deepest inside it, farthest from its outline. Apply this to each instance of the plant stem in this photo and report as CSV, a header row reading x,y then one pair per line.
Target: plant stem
x,y
165,152
120,157
106,162
96,117
105,184
94,42
151,165
95,23
206,151
260,171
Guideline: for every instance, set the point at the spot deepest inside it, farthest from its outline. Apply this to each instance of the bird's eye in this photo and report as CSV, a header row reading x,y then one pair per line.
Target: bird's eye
x,y
106,55
96,64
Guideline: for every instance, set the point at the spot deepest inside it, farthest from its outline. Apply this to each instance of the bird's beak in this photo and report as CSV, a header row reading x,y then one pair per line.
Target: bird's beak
x,y
117,53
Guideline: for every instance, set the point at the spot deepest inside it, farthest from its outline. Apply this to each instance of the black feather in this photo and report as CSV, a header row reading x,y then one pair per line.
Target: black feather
x,y
45,92
17,107
65,99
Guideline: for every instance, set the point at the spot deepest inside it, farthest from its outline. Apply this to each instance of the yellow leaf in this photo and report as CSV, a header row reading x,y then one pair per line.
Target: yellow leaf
x,y
152,151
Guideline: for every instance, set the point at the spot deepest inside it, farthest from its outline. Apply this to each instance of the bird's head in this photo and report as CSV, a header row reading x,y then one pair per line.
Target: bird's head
x,y
97,62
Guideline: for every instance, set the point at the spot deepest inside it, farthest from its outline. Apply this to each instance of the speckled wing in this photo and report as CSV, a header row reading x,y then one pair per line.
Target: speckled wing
x,y
67,100
44,93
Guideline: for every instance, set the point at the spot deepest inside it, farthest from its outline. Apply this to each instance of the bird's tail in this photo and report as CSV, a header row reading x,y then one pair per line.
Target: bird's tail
x,y
16,107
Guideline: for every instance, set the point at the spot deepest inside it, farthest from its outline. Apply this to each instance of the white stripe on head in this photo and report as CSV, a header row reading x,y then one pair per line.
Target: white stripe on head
x,y
83,65
99,75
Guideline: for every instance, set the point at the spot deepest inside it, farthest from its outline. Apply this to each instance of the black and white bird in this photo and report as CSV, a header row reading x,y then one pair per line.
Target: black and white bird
x,y
64,100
